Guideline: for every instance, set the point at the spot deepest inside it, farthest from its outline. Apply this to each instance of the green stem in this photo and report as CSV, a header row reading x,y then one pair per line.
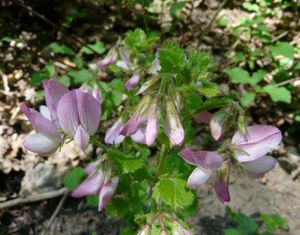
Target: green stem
x,y
162,160
96,142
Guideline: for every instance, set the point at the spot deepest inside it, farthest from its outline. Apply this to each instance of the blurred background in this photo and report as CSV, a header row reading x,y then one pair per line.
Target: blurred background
x,y
256,49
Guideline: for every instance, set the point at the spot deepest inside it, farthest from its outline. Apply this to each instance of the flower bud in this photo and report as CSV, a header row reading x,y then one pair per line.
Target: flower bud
x,y
110,58
221,183
173,126
216,124
145,231
132,82
149,85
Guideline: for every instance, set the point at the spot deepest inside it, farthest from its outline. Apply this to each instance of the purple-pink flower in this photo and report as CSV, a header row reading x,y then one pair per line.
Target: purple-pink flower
x,y
132,82
250,151
79,116
110,58
47,139
99,182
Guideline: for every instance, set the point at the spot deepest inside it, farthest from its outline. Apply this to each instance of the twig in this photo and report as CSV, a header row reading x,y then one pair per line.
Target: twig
x,y
210,23
55,213
33,198
53,25
287,81
280,36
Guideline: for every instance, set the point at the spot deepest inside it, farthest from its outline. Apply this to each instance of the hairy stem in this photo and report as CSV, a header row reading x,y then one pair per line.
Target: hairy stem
x,y
96,142
162,160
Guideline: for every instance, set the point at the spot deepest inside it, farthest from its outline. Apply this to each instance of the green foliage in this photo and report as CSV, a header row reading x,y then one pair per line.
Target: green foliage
x,y
98,47
246,225
74,177
138,40
173,192
278,93
46,73
61,49
171,58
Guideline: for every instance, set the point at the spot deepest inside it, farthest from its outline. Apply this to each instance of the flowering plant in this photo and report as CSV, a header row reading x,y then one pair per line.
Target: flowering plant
x,y
149,178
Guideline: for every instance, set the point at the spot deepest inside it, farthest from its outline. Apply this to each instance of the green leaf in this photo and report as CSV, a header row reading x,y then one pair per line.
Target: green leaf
x,y
135,38
60,49
238,75
232,231
250,7
74,177
245,223
278,93
80,76
258,76
92,200
66,80
173,192
208,89
282,48
223,22
47,72
247,99
171,58
128,164
99,47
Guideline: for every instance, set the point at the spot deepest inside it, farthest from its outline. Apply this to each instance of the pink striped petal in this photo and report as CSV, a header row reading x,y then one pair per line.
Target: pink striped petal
x,y
54,90
90,186
260,166
45,112
41,144
198,177
40,123
107,192
132,125
258,141
81,138
205,159
89,112
112,135
152,125
67,113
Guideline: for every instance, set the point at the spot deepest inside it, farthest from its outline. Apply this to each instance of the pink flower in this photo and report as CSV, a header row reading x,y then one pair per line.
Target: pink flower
x,y
110,58
97,183
132,82
79,116
46,140
250,151
93,91
155,67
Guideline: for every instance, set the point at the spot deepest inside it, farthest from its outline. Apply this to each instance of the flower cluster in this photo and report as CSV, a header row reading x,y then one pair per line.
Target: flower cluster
x,y
246,150
74,114
99,182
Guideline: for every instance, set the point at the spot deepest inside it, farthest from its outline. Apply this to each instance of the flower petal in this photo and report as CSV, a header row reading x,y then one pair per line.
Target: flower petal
x,y
45,112
198,177
54,90
41,144
90,186
40,123
258,141
107,192
260,166
112,135
206,159
91,167
89,111
139,136
81,138
132,125
152,124
216,124
132,82
222,189
67,113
